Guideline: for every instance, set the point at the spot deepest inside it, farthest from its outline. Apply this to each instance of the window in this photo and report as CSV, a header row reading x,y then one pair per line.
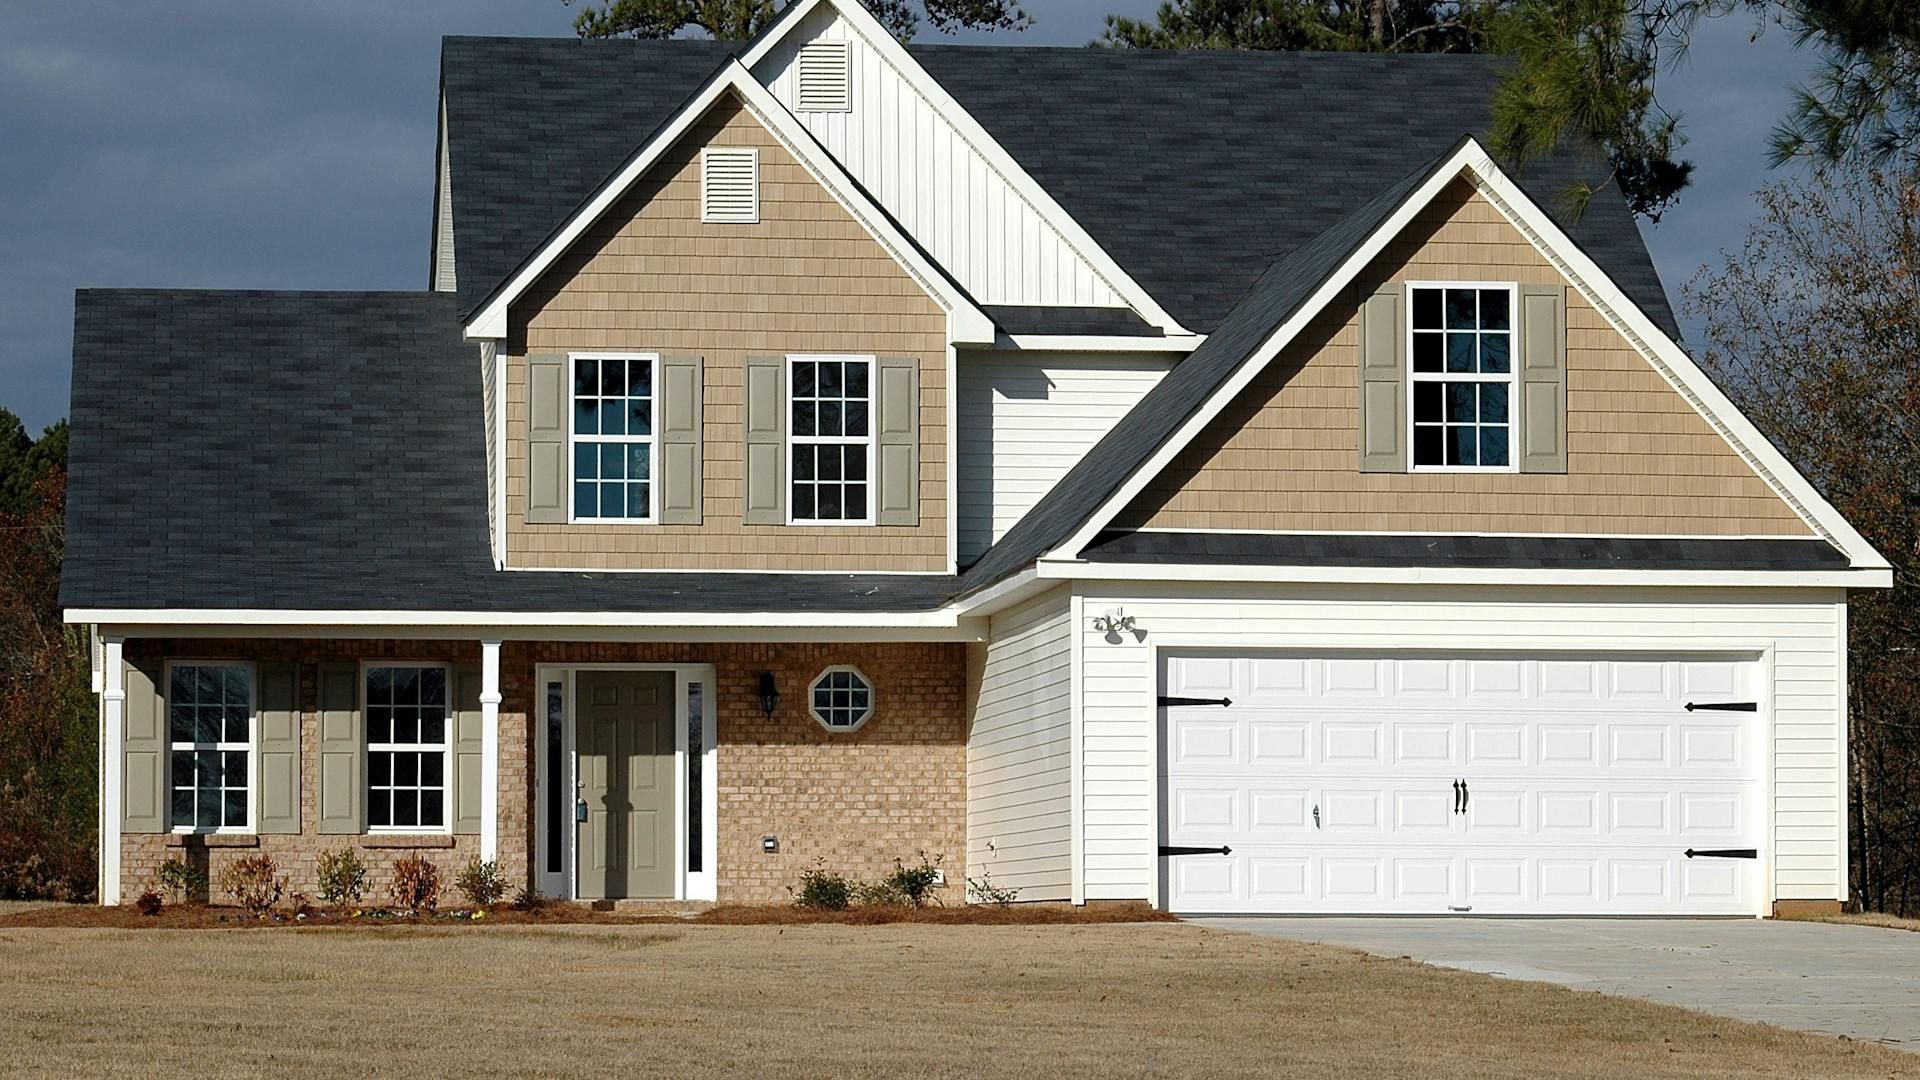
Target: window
x,y
730,185
831,449
696,755
841,699
407,748
1462,376
822,83
613,438
210,736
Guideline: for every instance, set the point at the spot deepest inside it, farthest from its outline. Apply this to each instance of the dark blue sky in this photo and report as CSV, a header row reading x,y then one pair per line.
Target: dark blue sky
x,y
283,144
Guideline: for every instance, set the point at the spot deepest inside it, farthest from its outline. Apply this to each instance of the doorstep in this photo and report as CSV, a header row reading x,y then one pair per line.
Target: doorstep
x,y
685,908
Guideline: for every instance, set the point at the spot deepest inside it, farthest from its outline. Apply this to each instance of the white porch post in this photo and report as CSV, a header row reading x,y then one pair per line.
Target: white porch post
x,y
489,750
113,726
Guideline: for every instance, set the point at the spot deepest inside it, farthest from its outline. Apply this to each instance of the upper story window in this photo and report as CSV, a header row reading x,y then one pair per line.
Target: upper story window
x,y
613,437
830,451
1463,375
730,185
408,746
210,738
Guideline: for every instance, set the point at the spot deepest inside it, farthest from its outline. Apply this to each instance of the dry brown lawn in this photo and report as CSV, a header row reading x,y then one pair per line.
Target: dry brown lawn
x,y
941,1001
1869,918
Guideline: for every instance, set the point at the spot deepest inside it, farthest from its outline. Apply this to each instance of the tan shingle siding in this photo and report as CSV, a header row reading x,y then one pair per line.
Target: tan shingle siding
x,y
1640,459
651,276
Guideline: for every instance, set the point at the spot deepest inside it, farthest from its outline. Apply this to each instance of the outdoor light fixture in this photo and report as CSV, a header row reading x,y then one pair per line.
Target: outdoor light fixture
x,y
769,694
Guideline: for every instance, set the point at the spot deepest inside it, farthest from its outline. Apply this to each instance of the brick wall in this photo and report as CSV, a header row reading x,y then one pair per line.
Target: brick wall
x,y
857,800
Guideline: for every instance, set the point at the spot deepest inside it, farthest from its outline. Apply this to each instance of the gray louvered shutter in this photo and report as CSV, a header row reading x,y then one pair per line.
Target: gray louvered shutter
x,y
1383,380
678,427
279,770
1543,378
547,409
143,762
468,747
343,735
896,442
764,487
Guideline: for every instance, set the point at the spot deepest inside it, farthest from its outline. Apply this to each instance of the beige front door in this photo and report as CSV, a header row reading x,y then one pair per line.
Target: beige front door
x,y
625,743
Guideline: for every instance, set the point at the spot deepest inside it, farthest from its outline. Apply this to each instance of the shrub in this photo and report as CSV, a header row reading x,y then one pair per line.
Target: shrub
x,y
481,883
150,903
984,891
343,877
416,885
530,898
912,885
254,882
823,890
182,880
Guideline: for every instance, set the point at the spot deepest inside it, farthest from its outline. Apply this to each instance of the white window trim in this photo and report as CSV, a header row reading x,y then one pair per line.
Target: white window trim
x,y
252,747
368,746
752,155
786,399
873,695
1511,378
650,441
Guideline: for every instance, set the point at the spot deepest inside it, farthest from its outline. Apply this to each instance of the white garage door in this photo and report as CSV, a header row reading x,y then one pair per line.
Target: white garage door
x,y
1491,784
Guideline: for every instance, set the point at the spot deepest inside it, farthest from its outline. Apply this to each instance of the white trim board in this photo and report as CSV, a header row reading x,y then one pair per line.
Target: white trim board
x,y
1850,578
970,131
1660,350
965,321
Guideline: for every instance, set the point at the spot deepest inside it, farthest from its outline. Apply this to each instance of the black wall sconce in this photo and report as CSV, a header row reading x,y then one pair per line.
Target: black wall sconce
x,y
769,694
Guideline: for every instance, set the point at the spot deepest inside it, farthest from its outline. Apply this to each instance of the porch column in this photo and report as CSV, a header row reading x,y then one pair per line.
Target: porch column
x,y
113,728
489,750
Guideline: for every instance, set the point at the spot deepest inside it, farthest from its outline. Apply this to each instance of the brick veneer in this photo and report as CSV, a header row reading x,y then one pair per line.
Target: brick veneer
x,y
859,801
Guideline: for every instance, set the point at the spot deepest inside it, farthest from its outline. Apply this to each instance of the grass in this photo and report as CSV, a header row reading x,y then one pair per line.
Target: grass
x,y
1867,918
1164,1000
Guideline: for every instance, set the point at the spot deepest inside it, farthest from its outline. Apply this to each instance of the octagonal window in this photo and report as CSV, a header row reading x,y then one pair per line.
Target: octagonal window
x,y
841,699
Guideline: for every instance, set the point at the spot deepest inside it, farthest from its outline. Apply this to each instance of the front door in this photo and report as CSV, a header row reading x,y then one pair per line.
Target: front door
x,y
626,763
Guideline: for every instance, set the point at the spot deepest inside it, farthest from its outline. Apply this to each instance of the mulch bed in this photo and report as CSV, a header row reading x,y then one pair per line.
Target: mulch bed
x,y
212,917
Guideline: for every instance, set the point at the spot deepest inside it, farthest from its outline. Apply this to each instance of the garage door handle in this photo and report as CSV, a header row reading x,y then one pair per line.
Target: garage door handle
x,y
1223,702
1724,706
1725,853
1168,849
1456,796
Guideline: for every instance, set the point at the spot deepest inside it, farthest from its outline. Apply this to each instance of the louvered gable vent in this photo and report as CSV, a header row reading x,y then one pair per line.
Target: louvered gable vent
x,y
730,186
824,82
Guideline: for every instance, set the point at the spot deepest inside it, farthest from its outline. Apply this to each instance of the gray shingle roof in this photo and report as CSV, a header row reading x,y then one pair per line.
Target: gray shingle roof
x,y
1506,552
323,451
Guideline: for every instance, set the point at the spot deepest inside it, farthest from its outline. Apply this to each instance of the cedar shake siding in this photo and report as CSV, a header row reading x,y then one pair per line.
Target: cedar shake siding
x,y
858,800
652,277
1640,460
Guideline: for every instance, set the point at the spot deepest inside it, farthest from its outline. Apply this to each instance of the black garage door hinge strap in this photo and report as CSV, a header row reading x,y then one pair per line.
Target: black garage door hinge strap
x,y
1724,853
1168,849
1723,706
1165,700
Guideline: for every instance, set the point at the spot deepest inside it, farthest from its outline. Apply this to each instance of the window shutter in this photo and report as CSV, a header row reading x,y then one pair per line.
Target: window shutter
x,y
143,777
279,769
547,410
1543,378
678,470
468,746
730,185
343,738
1383,381
823,83
896,450
765,491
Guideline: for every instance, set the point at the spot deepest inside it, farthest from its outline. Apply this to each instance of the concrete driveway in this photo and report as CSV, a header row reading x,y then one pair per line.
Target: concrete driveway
x,y
1858,981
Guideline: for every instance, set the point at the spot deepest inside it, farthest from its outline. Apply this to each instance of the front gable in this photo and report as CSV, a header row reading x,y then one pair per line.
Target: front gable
x,y
1283,456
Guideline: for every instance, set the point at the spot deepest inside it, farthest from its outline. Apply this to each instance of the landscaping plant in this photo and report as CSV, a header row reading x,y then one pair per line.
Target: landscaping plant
x,y
823,890
343,877
984,891
416,885
482,883
182,880
254,882
149,903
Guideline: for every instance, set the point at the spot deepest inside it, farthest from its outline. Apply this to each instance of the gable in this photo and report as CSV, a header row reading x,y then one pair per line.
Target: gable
x,y
650,276
1283,456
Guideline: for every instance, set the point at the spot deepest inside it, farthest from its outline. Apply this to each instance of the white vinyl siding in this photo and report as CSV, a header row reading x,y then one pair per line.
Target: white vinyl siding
x,y
489,405
443,265
1019,787
1798,633
932,180
1025,419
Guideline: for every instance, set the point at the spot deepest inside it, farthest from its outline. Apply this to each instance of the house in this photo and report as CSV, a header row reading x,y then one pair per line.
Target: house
x,y
1201,478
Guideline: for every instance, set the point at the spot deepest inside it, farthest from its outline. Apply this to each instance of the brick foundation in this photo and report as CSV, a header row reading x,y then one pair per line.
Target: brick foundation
x,y
856,800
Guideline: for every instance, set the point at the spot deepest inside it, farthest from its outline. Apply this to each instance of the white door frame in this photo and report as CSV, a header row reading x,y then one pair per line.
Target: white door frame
x,y
1757,652
688,884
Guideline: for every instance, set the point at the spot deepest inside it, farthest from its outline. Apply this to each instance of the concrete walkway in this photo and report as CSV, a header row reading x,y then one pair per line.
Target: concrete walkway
x,y
1858,981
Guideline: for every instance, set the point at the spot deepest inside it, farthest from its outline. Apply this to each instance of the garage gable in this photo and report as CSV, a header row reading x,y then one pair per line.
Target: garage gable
x,y
1639,457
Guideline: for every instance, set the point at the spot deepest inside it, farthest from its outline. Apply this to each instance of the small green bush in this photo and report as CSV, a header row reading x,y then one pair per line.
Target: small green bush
x,y
481,883
254,882
416,885
530,898
984,891
910,885
343,877
823,890
182,880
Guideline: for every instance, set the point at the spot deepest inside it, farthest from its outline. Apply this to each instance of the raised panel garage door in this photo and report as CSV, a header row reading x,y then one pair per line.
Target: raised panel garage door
x,y
1420,784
